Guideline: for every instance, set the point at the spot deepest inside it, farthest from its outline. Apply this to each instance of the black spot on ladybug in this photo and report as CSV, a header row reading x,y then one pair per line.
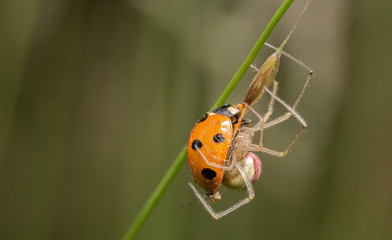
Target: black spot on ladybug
x,y
196,144
219,138
208,173
205,116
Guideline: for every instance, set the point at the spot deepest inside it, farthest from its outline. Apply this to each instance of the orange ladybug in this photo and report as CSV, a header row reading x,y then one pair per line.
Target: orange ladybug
x,y
210,144
219,150
217,153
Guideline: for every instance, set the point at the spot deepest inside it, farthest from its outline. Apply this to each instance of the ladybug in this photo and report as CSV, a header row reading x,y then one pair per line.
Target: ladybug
x,y
220,147
210,145
217,154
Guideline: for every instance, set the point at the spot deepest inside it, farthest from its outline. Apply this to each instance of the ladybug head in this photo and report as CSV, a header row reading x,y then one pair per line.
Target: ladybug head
x,y
228,110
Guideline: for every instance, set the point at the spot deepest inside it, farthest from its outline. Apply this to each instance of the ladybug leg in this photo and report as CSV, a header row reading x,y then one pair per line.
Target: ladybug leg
x,y
203,201
210,163
217,215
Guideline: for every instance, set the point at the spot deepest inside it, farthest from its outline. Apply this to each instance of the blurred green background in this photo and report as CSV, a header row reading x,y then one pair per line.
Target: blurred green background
x,y
98,97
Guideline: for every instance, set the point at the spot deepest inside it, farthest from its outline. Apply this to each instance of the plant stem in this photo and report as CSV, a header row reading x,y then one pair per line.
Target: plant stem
x,y
253,53
174,168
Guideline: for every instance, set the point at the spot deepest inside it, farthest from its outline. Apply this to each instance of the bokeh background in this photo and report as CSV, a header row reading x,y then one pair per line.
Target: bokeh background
x,y
98,97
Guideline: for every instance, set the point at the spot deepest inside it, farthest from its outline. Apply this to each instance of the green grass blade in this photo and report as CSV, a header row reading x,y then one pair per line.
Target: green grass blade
x,y
174,168
253,53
